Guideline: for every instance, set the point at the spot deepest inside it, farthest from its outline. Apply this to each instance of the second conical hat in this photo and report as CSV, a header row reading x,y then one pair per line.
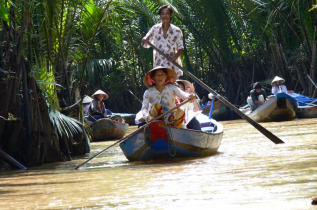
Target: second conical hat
x,y
277,79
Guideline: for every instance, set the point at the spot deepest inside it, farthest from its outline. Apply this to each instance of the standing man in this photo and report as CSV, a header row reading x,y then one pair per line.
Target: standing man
x,y
168,38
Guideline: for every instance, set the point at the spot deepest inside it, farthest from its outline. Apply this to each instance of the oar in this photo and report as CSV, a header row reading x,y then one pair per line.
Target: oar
x,y
313,84
11,160
134,96
131,134
312,81
260,128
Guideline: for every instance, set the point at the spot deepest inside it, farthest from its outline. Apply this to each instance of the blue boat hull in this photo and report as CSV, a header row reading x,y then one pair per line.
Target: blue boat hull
x,y
164,142
307,107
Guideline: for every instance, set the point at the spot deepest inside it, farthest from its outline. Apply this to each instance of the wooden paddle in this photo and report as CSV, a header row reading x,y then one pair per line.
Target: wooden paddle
x,y
260,128
11,160
134,132
314,93
134,96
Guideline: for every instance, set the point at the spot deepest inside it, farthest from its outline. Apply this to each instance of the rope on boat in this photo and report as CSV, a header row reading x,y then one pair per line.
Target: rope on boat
x,y
170,139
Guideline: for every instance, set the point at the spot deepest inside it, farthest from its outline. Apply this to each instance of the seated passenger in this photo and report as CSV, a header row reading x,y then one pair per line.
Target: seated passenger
x,y
160,96
97,108
188,87
190,108
257,96
277,86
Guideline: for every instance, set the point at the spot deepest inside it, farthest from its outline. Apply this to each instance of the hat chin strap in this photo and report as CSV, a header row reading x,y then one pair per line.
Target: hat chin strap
x,y
150,80
170,80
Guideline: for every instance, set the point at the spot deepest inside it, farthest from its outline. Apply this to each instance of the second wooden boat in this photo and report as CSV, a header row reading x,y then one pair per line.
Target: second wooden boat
x,y
307,107
108,129
160,141
307,111
128,117
220,110
281,107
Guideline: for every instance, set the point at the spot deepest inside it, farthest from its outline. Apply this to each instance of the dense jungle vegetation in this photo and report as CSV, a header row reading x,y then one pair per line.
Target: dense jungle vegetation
x,y
53,52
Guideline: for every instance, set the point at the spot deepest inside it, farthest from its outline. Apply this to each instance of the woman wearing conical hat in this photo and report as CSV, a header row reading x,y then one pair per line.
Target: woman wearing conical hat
x,y
277,86
97,108
160,95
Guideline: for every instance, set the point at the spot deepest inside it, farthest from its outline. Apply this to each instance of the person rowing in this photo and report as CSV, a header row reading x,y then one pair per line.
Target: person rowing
x,y
168,38
160,96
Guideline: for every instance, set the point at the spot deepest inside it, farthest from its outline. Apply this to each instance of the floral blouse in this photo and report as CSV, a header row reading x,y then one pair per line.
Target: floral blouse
x,y
166,98
169,45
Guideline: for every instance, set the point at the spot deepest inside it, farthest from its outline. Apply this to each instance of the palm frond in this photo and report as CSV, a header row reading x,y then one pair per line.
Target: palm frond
x,y
66,126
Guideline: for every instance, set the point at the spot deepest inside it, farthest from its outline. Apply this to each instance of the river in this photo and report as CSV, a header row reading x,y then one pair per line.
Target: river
x,y
248,172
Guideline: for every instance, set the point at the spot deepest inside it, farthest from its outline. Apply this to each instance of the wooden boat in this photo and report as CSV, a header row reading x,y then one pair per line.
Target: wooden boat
x,y
220,110
307,107
281,107
128,117
108,129
159,141
306,111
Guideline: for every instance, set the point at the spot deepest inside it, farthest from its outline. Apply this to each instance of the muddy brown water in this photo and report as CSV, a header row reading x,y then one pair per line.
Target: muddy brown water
x,y
248,172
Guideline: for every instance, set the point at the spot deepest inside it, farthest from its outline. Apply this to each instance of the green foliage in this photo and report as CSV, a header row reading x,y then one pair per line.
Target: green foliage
x,y
229,42
45,78
66,126
4,12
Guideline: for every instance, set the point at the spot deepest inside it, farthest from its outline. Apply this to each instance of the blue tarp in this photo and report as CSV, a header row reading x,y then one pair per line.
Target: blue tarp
x,y
303,100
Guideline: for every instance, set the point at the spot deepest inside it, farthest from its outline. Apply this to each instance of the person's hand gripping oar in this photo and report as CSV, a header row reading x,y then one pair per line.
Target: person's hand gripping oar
x,y
136,131
260,128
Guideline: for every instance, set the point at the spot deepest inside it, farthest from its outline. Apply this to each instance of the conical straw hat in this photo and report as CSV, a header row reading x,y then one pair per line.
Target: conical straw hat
x,y
277,79
87,99
100,92
187,84
149,77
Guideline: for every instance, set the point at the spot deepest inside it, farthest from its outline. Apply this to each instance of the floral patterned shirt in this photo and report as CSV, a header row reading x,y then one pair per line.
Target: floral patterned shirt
x,y
166,98
169,45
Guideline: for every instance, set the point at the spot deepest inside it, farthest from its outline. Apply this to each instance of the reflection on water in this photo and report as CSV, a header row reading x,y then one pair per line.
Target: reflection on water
x,y
249,172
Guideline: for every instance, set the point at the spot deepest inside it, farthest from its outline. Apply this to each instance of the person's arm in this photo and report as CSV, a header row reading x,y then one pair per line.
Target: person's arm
x,y
258,102
145,106
252,95
173,58
93,107
183,95
254,98
274,90
264,95
148,38
179,45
